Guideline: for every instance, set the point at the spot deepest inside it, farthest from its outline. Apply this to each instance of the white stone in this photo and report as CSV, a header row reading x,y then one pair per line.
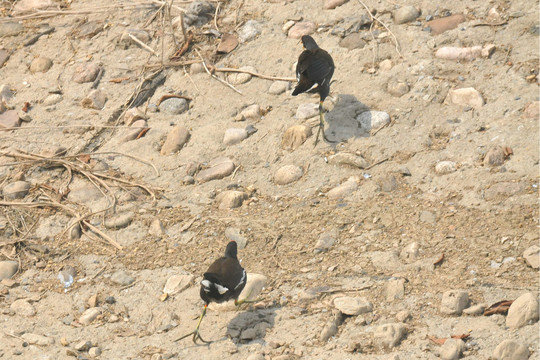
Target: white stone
x,y
373,120
510,350
532,256
345,189
306,111
445,167
454,301
523,311
23,307
177,283
349,305
278,87
452,349
90,315
466,97
388,336
234,136
288,174
230,199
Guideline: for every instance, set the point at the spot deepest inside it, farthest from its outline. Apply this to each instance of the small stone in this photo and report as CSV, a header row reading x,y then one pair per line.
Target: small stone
x,y
386,65
410,252
397,88
10,28
218,169
228,43
279,87
349,305
438,26
532,110
122,278
288,174
188,180
196,68
94,351
475,310
119,221
345,189
23,308
85,73
177,283
174,106
531,256
254,286
510,350
96,99
403,316
40,64
495,156
133,115
251,112
394,289
332,326
92,301
488,50
445,167
466,97
387,183
454,301
388,336
302,28
36,339
84,194
295,136
230,199
126,39
9,283
255,357
16,190
241,78
249,31
452,349
332,4
9,119
459,53
31,5
156,228
52,99
176,139
234,136
373,120
326,240
83,345
405,14
523,311
345,158
63,341
235,234
90,315
353,41
306,111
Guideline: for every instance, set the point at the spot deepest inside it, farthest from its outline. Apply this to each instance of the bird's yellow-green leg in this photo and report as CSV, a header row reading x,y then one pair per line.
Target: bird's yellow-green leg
x,y
244,301
321,126
195,333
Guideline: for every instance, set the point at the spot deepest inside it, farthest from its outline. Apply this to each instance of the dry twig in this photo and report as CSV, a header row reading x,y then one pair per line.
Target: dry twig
x,y
215,77
373,17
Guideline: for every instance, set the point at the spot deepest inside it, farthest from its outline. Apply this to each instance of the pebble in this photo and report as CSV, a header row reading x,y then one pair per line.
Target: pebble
x,y
345,189
452,349
198,13
523,311
10,28
9,119
36,339
466,97
133,115
388,336
288,174
287,25
174,106
85,73
119,221
459,53
92,301
31,5
326,240
234,136
133,131
23,308
84,194
176,139
373,120
349,305
387,183
40,64
95,99
405,14
475,310
495,156
235,234
531,256
177,283
90,315
16,190
332,326
532,110
403,316
256,356
353,41
349,159
6,94
196,68
445,167
254,286
332,4
230,199
510,350
249,31
454,301
94,351
438,26
89,29
241,78
122,278
83,345
279,87
227,43
397,88
386,65
394,289
306,111
295,136
52,99
410,252
251,112
218,169
156,228
302,28
126,40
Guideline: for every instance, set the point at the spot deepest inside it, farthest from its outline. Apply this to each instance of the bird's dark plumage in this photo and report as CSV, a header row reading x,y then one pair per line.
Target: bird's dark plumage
x,y
314,71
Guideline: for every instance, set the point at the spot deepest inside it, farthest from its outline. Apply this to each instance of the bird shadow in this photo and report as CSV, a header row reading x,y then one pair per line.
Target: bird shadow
x,y
251,325
344,120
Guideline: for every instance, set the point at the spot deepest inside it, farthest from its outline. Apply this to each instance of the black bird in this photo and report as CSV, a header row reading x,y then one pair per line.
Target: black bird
x,y
314,71
224,280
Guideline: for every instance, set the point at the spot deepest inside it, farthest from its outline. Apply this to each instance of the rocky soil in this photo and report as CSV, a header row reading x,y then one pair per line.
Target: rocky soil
x,y
133,148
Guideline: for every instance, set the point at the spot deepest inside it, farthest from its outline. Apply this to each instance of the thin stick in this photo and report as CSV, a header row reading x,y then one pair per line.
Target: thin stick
x,y
191,79
102,234
143,45
214,76
216,15
377,163
262,76
396,43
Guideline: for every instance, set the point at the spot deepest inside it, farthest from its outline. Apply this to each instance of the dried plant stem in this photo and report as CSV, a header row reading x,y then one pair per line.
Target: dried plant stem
x,y
373,17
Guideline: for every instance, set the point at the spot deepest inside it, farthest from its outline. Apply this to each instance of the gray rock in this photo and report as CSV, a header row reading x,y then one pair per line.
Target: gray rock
x,y
199,13
279,87
343,190
306,111
94,351
397,88
16,190
510,350
332,326
452,349
326,240
475,310
241,78
352,41
119,221
177,283
532,256
174,106
523,311
40,64
445,167
344,158
249,31
373,120
349,305
176,139
90,315
235,234
234,136
36,339
454,301
23,308
10,28
83,345
394,289
8,269
86,72
495,156
466,97
122,278
295,136
405,14
388,336
230,199
288,174
95,99
218,169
